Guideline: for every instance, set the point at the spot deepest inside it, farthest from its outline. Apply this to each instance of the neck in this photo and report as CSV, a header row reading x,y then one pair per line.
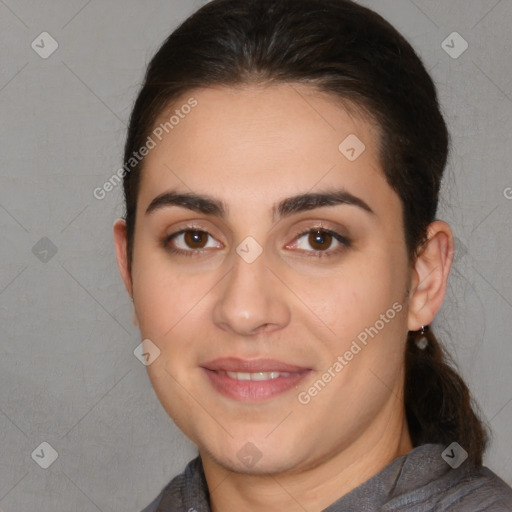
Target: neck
x,y
318,485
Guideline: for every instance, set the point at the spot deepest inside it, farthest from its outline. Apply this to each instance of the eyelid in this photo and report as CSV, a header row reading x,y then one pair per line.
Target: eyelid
x,y
190,225
343,241
188,252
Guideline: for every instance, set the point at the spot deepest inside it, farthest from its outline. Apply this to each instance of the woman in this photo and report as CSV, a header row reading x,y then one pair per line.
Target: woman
x,y
281,247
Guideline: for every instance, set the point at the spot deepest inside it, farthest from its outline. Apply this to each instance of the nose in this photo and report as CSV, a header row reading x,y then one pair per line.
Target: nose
x,y
252,300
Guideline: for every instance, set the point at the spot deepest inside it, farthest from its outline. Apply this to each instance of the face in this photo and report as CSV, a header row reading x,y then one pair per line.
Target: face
x,y
270,270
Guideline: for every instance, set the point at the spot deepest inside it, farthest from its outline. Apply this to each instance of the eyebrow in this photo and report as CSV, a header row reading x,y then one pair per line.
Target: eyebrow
x,y
285,208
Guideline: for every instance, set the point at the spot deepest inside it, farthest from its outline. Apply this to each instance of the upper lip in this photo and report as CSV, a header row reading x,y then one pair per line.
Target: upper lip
x,y
234,364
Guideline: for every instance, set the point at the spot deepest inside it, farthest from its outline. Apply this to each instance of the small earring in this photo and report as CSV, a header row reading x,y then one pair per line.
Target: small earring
x,y
422,341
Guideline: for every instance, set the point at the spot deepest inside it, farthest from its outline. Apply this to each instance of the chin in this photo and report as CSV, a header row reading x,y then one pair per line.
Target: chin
x,y
252,461
252,454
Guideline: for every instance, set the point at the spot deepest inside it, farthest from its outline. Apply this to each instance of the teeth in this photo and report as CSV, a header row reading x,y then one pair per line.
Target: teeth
x,y
257,375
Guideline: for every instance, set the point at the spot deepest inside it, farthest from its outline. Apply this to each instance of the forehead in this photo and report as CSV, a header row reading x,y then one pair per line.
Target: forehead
x,y
261,142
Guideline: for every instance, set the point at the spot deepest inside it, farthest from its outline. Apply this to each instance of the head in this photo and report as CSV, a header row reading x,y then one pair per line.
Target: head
x,y
285,210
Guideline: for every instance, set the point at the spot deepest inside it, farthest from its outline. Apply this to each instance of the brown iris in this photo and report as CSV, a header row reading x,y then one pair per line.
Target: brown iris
x,y
320,240
195,239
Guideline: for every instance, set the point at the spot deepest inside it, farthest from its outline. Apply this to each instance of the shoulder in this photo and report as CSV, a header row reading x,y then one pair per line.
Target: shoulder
x,y
153,505
474,490
187,487
426,483
171,494
478,491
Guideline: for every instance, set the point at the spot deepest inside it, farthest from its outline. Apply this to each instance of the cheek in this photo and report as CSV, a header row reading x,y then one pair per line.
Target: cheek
x,y
161,295
163,302
353,297
172,309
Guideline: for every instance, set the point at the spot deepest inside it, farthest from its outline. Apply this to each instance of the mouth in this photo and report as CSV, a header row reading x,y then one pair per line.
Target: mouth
x,y
259,376
253,380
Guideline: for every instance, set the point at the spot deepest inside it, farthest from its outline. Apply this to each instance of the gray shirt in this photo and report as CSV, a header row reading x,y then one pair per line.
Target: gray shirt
x,y
419,481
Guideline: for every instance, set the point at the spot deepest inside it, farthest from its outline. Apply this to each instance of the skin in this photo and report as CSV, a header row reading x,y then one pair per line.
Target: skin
x,y
251,147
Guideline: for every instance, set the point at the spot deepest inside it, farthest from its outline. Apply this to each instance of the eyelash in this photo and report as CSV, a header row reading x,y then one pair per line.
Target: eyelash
x,y
344,241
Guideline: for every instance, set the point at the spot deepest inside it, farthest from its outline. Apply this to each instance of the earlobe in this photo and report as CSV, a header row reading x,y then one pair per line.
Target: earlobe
x,y
120,241
430,276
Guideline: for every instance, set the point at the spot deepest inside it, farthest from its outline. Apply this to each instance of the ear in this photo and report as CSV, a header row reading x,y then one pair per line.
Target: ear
x,y
430,275
120,240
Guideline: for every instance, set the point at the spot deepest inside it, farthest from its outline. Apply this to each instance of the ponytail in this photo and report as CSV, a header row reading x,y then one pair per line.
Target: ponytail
x,y
438,403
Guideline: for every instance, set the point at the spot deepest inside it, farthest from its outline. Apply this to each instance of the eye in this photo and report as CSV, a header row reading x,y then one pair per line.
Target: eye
x,y
318,242
189,241
321,241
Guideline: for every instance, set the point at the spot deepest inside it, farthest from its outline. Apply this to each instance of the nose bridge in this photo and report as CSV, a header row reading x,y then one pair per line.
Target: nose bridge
x,y
251,298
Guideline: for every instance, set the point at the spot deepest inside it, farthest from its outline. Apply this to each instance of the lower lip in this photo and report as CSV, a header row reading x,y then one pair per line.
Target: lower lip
x,y
253,390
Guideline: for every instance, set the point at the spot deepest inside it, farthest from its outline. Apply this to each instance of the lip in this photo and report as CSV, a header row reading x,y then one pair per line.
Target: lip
x,y
252,390
235,364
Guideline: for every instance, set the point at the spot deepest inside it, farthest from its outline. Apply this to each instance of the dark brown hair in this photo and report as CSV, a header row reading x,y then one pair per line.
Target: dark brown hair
x,y
352,53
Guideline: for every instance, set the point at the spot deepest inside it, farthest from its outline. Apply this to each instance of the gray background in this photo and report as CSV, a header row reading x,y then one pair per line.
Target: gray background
x,y
68,375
